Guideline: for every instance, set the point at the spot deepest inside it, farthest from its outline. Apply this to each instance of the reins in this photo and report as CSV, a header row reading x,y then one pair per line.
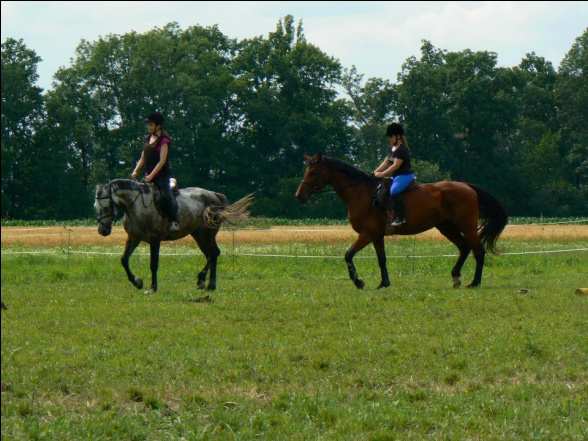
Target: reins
x,y
110,213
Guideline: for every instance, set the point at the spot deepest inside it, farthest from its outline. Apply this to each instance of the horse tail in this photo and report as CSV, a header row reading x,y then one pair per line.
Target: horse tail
x,y
493,218
215,215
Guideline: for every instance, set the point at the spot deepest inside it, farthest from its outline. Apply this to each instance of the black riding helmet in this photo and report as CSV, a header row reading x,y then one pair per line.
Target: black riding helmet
x,y
156,118
394,129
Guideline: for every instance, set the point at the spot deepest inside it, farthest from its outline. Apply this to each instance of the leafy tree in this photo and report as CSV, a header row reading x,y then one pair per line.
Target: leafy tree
x,y
287,100
571,94
22,109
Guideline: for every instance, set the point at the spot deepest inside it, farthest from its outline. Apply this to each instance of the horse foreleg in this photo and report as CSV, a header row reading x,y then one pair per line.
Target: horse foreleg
x,y
381,252
130,246
359,244
154,264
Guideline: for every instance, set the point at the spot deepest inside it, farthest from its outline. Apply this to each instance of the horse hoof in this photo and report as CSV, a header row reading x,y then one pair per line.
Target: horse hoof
x,y
201,285
211,287
138,283
359,284
473,285
384,285
149,291
456,282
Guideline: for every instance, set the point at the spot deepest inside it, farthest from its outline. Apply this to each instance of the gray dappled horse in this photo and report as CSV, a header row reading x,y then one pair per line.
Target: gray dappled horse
x,y
200,212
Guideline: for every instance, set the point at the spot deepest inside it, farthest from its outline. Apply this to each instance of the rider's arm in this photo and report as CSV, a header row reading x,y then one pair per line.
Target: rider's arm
x,y
139,166
390,170
160,164
385,163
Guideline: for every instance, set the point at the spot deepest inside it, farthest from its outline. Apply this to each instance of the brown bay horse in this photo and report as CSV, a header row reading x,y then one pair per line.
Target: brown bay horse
x,y
468,216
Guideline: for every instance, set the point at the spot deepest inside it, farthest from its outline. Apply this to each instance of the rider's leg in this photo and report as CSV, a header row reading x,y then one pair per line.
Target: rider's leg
x,y
168,202
399,184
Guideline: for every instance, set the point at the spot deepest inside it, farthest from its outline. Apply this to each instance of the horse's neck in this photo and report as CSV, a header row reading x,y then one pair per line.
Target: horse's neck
x,y
124,198
346,188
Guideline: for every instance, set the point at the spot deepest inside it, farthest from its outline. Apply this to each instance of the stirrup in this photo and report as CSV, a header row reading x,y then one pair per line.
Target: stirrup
x,y
397,222
174,226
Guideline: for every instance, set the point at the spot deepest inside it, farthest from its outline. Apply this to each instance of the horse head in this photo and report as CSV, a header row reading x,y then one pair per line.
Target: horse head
x,y
315,177
105,209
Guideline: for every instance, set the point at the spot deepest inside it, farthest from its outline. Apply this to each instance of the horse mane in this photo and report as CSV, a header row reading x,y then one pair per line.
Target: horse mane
x,y
349,170
129,184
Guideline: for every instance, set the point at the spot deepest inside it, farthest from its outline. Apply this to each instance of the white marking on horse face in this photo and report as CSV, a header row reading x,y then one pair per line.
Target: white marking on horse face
x,y
102,204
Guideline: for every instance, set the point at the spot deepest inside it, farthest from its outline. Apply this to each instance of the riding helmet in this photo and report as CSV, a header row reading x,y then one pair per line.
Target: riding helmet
x,y
394,129
156,118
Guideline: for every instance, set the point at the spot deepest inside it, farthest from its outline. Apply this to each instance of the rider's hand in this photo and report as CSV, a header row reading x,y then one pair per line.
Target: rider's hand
x,y
148,178
134,175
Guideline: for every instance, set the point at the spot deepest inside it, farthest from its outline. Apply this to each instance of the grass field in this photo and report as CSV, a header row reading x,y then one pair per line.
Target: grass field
x,y
289,349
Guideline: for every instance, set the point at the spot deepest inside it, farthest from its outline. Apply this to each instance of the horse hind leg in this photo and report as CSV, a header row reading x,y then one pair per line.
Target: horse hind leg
x,y
206,240
479,254
453,234
473,241
198,236
214,253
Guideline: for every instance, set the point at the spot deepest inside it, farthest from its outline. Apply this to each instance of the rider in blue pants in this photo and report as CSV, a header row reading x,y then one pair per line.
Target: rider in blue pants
x,y
397,165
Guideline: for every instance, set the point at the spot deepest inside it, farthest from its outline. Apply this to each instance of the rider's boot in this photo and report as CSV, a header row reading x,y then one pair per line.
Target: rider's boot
x,y
395,210
174,226
399,211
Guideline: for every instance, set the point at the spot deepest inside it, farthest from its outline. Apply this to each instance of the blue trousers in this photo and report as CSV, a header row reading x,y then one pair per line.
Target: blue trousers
x,y
400,183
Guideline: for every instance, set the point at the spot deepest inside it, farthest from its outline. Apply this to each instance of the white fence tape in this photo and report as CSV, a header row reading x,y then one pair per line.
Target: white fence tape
x,y
286,256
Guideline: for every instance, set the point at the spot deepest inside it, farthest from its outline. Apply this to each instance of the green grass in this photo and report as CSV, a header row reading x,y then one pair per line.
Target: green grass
x,y
289,349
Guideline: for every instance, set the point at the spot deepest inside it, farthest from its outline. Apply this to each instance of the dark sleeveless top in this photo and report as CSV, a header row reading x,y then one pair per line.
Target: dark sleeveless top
x,y
403,153
152,155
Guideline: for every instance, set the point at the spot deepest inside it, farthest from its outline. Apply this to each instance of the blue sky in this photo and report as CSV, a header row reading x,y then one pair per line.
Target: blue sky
x,y
377,37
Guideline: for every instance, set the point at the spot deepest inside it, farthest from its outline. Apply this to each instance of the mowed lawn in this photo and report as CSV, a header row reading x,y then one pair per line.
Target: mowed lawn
x,y
289,349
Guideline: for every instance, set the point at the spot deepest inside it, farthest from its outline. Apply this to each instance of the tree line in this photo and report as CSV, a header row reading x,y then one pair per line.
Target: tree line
x,y
242,113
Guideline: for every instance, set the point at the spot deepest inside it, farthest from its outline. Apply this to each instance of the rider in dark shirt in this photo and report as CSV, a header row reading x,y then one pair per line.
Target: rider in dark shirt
x,y
155,159
397,165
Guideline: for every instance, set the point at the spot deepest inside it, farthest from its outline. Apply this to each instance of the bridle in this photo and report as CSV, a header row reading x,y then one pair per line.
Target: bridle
x,y
316,190
110,212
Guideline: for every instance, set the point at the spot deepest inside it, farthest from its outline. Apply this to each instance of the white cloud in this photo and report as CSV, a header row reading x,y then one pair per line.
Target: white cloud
x,y
375,36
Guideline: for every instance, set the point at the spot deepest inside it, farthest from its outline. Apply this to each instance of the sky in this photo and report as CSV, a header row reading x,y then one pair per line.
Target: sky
x,y
376,37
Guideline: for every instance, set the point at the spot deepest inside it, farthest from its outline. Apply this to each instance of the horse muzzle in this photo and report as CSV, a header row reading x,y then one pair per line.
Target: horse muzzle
x,y
104,230
301,197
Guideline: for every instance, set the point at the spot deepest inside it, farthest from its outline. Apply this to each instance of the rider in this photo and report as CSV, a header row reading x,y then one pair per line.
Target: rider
x,y
397,165
155,159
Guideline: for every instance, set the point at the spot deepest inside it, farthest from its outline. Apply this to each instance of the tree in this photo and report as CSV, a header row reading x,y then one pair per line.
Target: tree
x,y
571,94
372,107
22,109
287,100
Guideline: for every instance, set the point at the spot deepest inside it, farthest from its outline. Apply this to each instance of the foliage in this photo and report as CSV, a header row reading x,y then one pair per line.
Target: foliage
x,y
242,113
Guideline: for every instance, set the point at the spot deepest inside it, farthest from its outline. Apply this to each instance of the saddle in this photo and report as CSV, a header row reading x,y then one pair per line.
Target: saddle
x,y
382,192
